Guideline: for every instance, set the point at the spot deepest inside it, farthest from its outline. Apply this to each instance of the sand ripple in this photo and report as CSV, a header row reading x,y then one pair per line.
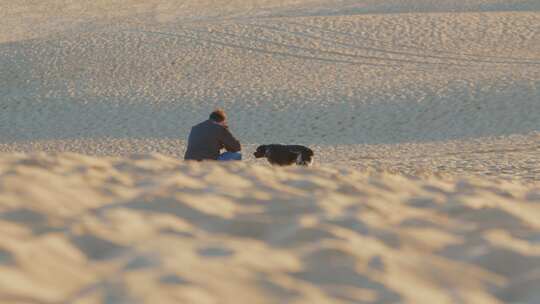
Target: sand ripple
x,y
151,229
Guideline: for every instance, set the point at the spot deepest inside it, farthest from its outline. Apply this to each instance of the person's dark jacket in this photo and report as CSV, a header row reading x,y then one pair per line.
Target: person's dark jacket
x,y
207,139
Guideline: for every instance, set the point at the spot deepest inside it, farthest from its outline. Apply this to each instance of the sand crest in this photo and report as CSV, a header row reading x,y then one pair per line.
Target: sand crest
x,y
151,229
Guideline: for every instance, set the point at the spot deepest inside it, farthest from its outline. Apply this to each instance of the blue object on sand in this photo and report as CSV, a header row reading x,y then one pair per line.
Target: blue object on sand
x,y
228,156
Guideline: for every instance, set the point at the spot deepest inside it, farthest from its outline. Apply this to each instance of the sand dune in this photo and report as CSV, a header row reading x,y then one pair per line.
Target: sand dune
x,y
152,229
424,116
514,157
347,79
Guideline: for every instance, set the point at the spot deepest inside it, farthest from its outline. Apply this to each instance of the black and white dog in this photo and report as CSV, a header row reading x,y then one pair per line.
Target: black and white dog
x,y
285,155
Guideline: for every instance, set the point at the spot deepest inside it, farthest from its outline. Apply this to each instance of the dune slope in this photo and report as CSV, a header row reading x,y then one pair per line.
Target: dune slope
x,y
305,77
424,116
151,229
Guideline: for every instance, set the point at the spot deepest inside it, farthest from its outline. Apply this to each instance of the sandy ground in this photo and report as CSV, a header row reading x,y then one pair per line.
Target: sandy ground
x,y
515,157
424,116
152,229
316,80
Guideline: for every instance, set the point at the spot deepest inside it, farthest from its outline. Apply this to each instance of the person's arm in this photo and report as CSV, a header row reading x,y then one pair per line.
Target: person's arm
x,y
230,143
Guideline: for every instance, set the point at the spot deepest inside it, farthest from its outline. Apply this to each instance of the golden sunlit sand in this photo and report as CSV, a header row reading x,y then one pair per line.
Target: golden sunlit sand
x,y
424,117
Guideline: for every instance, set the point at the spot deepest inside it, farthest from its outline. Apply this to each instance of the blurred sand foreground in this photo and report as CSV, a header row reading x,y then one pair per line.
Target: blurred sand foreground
x,y
152,229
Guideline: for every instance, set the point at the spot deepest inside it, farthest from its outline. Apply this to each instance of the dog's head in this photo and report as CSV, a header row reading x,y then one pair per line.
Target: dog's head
x,y
260,152
305,158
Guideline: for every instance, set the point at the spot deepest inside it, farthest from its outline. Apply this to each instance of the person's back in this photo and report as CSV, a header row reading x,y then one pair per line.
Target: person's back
x,y
207,139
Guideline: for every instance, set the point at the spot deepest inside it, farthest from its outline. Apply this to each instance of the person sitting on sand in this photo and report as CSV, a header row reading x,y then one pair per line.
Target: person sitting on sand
x,y
206,140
